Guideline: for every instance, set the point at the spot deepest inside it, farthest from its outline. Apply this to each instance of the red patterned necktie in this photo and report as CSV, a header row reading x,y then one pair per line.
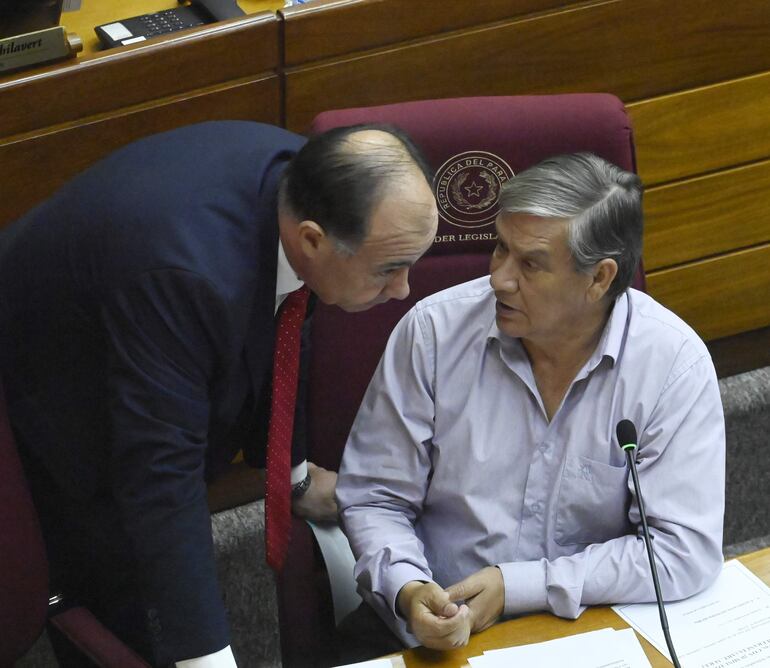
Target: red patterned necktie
x,y
278,475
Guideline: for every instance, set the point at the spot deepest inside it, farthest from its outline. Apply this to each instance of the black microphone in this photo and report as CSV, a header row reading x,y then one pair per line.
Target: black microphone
x,y
626,433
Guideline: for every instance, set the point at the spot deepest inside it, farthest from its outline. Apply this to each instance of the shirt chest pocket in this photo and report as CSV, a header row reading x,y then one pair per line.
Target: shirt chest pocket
x,y
593,501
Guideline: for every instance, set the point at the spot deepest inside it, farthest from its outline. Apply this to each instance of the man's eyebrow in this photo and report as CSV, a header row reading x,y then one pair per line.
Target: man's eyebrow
x,y
540,254
536,254
396,264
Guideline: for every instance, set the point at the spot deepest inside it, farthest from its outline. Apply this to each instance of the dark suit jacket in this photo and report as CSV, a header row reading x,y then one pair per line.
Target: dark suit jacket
x,y
136,315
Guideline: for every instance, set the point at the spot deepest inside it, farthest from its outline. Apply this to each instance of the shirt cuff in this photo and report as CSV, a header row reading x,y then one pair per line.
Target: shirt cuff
x,y
298,472
397,576
222,659
525,586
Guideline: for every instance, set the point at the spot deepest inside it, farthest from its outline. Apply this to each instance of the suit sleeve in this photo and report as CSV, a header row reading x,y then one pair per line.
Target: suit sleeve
x,y
166,331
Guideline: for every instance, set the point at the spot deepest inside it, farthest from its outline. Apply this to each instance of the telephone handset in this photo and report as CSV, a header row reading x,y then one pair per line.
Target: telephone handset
x,y
139,28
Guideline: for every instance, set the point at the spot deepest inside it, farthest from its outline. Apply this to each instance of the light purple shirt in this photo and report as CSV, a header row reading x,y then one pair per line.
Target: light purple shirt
x,y
452,464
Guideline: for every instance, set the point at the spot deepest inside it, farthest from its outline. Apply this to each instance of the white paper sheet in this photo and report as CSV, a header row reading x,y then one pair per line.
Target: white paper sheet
x,y
393,662
725,626
606,648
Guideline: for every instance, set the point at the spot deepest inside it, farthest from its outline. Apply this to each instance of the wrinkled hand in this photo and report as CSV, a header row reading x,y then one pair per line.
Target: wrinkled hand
x,y
318,502
433,618
484,594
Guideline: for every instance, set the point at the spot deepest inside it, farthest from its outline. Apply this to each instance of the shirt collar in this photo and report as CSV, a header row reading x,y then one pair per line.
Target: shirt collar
x,y
614,331
286,278
609,344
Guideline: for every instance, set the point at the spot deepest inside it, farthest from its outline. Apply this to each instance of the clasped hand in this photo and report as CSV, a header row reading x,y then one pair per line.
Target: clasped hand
x,y
445,618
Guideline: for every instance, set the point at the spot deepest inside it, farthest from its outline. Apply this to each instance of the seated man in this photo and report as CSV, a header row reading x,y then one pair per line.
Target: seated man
x,y
482,477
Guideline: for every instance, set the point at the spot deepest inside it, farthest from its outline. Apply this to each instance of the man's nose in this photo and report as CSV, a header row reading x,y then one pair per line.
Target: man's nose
x,y
504,278
398,286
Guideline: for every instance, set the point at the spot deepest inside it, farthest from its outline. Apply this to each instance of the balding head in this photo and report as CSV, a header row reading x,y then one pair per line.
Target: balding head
x,y
340,177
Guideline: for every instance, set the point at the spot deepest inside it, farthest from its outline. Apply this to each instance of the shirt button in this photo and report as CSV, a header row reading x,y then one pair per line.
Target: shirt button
x,y
536,507
543,447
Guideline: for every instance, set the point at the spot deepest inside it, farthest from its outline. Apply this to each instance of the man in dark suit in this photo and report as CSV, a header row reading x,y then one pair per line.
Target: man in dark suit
x,y
137,321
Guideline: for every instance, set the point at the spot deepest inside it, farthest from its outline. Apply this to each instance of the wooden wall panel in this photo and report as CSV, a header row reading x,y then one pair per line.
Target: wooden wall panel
x,y
707,216
696,78
139,73
721,296
635,49
35,166
702,130
327,28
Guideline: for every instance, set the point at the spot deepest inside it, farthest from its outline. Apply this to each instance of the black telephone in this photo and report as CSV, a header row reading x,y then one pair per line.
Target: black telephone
x,y
139,28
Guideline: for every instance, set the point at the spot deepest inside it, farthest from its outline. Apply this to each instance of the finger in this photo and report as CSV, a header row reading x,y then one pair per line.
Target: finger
x,y
484,611
465,589
450,627
460,634
450,610
437,601
438,633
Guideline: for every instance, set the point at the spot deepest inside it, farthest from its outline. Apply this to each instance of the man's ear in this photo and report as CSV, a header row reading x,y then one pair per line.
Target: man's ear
x,y
602,275
311,238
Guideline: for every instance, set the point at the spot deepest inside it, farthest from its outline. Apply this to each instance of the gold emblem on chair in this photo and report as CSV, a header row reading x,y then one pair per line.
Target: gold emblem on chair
x,y
467,187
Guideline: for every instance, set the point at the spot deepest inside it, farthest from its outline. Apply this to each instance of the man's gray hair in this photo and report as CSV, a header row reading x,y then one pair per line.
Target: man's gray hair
x,y
602,202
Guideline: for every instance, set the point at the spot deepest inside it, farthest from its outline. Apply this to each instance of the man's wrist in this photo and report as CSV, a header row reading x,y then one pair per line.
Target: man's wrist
x,y
299,489
404,598
398,576
299,472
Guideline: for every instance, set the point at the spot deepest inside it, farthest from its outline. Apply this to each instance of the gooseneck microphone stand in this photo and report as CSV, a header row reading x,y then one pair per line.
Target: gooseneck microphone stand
x,y
626,433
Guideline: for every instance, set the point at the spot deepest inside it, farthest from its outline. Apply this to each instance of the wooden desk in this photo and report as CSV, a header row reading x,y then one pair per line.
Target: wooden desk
x,y
538,628
96,12
59,119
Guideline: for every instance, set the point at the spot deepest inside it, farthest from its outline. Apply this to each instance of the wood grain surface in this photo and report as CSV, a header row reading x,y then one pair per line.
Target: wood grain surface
x,y
636,49
134,74
703,130
719,296
97,12
538,628
327,28
35,167
706,216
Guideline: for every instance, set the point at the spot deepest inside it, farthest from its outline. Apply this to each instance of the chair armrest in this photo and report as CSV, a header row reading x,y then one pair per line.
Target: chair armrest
x,y
95,640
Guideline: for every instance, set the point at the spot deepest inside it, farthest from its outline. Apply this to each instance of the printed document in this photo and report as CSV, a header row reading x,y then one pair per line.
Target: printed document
x,y
725,626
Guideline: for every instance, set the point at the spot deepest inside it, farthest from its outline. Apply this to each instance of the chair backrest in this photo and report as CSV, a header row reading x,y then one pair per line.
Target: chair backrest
x,y
474,145
23,565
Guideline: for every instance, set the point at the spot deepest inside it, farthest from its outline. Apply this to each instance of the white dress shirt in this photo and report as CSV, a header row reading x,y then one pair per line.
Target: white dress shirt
x,y
452,464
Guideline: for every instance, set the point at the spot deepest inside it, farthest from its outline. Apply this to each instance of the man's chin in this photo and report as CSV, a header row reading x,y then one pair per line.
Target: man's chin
x,y
507,328
357,308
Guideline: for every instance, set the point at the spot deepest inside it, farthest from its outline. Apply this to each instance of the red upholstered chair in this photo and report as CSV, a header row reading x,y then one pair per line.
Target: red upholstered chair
x,y
24,591
474,144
